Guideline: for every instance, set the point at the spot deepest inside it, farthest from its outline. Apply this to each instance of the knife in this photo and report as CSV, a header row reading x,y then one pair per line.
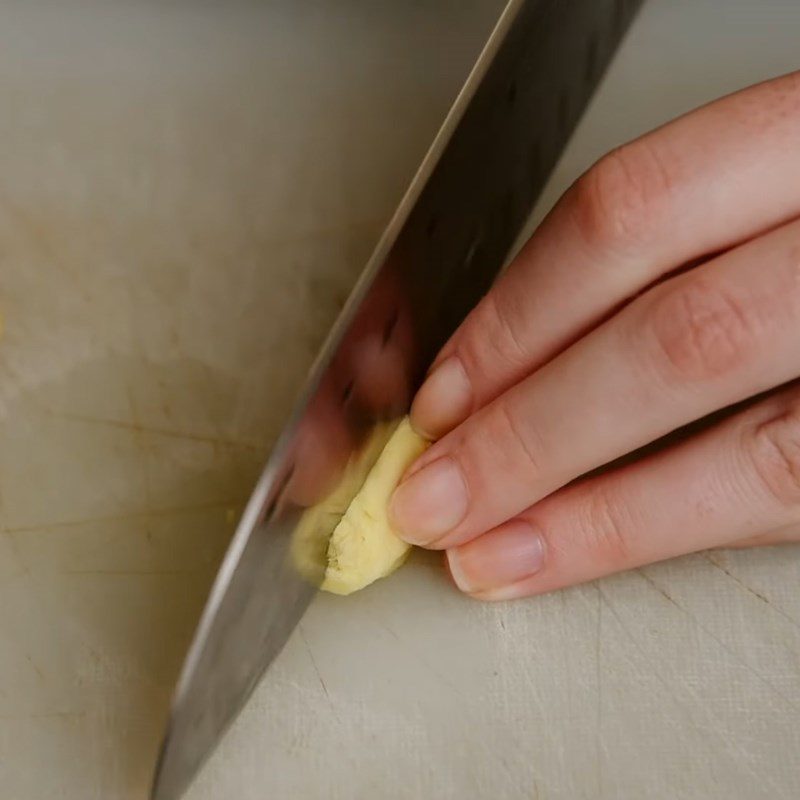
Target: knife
x,y
449,237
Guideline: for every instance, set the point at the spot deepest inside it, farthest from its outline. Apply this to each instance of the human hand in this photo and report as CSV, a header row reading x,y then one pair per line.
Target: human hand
x,y
664,286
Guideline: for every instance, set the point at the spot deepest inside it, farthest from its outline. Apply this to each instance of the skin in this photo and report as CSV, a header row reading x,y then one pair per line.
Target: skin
x,y
663,287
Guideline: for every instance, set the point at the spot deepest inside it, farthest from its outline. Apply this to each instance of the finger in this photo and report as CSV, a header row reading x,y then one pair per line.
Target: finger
x,y
787,534
732,482
696,343
699,185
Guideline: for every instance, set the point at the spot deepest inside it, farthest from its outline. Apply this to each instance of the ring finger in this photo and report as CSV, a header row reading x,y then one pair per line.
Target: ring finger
x,y
727,486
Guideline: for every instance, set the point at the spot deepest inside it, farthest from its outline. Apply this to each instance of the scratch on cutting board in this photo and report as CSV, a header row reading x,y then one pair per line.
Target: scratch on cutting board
x,y
145,462
635,642
45,715
507,768
435,672
354,228
734,749
136,427
314,663
129,516
663,592
719,641
739,582
23,565
34,665
132,572
41,237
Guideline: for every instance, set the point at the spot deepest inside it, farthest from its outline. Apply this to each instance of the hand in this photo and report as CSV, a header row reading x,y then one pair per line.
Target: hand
x,y
664,286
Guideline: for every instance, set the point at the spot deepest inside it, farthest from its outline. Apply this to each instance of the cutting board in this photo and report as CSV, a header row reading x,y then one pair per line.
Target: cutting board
x,y
187,192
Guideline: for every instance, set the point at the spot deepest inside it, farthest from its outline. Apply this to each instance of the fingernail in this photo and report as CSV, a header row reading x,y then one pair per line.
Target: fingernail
x,y
444,400
493,565
513,591
429,503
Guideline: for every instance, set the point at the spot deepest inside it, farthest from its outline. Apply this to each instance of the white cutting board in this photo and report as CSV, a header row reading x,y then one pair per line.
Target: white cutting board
x,y
187,192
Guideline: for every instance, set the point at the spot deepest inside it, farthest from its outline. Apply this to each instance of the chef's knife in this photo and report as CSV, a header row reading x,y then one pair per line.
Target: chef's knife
x,y
440,252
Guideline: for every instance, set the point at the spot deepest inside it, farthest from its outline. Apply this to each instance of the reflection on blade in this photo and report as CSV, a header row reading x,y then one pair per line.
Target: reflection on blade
x,y
259,622
441,251
312,535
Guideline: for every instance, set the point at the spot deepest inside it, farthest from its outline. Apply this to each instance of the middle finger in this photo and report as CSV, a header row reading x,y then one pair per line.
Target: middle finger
x,y
696,343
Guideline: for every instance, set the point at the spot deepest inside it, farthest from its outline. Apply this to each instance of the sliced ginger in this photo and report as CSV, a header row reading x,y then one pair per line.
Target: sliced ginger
x,y
363,547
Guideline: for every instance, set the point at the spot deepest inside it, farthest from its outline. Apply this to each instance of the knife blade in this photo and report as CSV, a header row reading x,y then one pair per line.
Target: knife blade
x,y
439,254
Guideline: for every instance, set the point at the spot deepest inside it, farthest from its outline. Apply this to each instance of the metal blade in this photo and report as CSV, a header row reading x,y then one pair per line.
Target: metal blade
x,y
438,256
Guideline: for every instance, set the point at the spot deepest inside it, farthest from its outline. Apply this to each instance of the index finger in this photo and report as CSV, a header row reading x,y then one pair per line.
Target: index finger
x,y
702,184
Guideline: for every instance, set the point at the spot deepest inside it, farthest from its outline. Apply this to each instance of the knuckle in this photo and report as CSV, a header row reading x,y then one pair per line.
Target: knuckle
x,y
773,448
498,332
768,105
492,348
700,330
617,201
515,440
606,530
